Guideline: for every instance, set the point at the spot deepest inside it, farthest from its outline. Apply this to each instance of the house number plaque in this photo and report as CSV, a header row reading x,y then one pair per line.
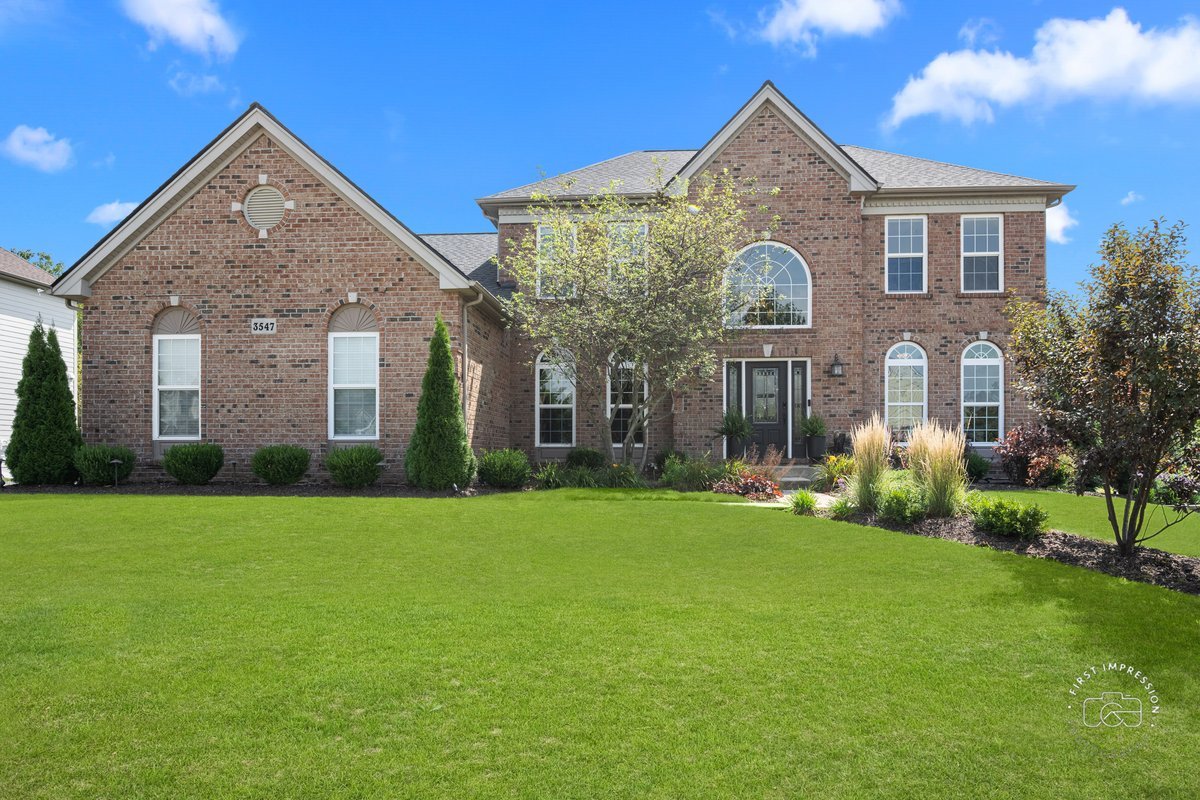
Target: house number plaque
x,y
262,325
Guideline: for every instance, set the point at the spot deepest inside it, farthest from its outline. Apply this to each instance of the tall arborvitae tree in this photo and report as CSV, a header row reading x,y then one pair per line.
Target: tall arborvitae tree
x,y
439,456
44,432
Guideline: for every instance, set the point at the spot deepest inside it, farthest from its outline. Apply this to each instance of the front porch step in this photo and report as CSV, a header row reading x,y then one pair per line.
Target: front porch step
x,y
797,475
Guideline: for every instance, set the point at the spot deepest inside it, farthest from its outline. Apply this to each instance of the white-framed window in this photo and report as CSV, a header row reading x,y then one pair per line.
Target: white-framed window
x,y
982,393
906,388
621,399
904,267
354,385
769,286
176,387
983,253
548,287
554,415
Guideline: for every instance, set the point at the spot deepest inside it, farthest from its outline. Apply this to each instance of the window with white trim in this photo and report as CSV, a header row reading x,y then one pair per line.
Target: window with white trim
x,y
983,253
905,268
621,400
628,239
555,413
982,393
548,286
353,384
176,368
769,286
905,388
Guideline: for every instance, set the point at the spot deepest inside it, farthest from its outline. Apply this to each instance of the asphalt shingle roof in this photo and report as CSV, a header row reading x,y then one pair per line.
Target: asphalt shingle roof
x,y
896,171
14,266
473,253
636,173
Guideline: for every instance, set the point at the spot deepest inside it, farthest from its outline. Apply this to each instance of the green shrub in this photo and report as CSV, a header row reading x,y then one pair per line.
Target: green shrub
x,y
504,469
691,474
833,470
280,464
94,462
620,476
902,504
586,457
663,456
843,508
354,467
803,502
812,425
978,466
549,476
580,478
439,456
194,464
1008,517
44,433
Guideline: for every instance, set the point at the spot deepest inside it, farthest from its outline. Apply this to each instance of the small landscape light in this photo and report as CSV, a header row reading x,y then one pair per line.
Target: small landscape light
x,y
116,465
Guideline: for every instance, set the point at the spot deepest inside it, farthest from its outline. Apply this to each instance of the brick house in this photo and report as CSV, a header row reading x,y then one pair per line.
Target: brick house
x,y
259,296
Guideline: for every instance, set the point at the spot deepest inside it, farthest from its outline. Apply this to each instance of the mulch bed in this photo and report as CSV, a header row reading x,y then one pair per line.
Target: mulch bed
x,y
247,490
1170,570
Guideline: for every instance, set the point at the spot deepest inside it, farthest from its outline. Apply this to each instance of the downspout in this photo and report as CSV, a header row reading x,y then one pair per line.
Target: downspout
x,y
466,334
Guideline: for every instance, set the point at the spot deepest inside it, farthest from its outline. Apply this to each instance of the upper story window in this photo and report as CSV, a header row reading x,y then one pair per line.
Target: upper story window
x,y
905,388
549,250
982,393
983,253
628,240
176,369
905,269
769,287
353,374
554,418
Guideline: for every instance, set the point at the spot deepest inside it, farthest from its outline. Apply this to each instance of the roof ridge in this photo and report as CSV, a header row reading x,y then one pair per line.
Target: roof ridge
x,y
461,233
948,163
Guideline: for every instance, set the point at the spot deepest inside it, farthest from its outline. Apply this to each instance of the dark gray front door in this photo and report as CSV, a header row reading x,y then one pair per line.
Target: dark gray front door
x,y
767,405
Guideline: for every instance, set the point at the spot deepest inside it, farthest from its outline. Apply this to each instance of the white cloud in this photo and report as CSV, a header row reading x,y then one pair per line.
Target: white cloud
x,y
187,84
1131,198
110,213
38,148
1058,222
1097,59
981,30
803,22
195,25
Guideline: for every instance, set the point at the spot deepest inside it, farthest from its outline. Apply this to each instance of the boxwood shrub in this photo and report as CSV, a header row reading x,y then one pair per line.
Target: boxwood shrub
x,y
1008,517
354,467
194,464
94,462
587,458
504,469
280,464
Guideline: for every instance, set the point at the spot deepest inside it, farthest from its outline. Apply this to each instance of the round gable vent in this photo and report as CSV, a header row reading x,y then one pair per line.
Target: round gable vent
x,y
264,207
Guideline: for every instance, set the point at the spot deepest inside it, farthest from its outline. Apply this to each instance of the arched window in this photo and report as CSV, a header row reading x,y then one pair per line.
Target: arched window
x,y
353,373
982,393
176,355
621,400
906,388
769,287
554,419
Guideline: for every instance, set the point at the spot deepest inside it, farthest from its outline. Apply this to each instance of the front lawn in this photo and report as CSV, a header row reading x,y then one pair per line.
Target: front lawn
x,y
1088,516
556,645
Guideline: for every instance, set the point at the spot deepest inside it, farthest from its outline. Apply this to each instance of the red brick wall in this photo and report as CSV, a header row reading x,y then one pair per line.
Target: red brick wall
x,y
256,389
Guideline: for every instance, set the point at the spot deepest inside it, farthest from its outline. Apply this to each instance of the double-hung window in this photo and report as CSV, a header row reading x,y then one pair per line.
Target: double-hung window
x,y
555,413
177,386
983,253
551,252
905,268
354,385
982,393
905,388
624,393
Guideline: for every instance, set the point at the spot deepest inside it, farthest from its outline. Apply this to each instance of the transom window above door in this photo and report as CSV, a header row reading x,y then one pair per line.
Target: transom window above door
x,y
769,286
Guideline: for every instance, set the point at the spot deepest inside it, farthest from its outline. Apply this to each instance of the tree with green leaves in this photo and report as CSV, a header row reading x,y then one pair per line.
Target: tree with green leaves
x,y
1116,374
43,261
439,455
44,431
611,287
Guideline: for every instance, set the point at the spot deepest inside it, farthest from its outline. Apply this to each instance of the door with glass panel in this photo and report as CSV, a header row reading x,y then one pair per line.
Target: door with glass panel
x,y
766,403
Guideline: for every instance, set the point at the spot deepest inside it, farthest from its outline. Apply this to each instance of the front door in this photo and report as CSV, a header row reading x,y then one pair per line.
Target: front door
x,y
766,404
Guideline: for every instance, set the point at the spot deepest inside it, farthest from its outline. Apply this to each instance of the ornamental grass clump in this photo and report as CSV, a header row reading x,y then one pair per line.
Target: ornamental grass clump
x,y
872,446
935,459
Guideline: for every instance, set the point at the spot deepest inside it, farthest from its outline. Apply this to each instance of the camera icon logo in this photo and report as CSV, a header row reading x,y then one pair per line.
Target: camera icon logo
x,y
1112,709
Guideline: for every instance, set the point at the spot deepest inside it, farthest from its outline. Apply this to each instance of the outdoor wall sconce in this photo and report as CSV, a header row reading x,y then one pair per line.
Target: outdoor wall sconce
x,y
837,369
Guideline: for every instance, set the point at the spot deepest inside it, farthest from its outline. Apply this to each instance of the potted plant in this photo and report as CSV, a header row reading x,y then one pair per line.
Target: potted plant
x,y
735,428
813,428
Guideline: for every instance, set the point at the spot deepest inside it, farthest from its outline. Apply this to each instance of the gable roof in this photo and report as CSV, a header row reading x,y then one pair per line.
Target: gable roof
x,y
15,268
219,152
476,254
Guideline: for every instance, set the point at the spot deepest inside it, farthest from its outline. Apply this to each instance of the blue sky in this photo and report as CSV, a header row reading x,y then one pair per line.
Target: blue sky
x,y
428,106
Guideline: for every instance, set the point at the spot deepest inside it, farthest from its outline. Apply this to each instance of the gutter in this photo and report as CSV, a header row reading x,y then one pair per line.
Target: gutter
x,y
480,294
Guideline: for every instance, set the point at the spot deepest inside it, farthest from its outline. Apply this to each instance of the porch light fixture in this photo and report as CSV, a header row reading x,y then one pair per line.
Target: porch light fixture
x,y
837,369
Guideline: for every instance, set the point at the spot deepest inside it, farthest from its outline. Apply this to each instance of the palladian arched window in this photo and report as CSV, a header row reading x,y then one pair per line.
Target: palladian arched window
x,y
353,373
769,286
176,354
906,388
982,393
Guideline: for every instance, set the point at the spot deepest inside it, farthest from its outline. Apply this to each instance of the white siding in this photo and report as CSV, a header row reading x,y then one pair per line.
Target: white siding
x,y
20,307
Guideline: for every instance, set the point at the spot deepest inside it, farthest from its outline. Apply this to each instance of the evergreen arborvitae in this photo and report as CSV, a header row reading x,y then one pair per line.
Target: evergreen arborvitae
x,y
439,455
44,432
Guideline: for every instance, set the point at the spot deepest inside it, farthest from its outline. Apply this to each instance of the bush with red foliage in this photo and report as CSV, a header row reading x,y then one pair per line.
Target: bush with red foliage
x,y
1030,455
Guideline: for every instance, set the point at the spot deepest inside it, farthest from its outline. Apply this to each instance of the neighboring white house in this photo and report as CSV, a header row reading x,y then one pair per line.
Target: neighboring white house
x,y
24,297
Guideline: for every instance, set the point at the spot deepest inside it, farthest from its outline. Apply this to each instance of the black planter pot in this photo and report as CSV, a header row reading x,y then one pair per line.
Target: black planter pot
x,y
816,447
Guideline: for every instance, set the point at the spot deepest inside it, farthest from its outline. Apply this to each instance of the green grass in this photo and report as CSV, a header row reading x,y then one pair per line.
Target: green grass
x,y
556,645
1088,516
